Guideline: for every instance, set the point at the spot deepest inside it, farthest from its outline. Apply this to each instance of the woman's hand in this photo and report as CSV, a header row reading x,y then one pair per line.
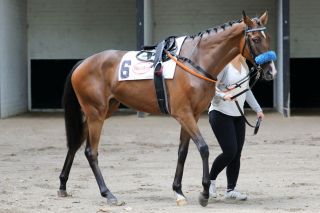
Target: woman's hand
x,y
260,115
228,97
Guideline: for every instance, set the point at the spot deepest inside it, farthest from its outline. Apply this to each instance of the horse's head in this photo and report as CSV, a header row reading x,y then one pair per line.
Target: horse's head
x,y
255,45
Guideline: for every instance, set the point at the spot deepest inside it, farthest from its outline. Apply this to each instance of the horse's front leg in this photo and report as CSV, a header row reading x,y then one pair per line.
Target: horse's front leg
x,y
182,155
189,122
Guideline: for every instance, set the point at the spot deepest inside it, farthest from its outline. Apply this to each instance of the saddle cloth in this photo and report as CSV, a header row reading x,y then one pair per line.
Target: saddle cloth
x,y
133,69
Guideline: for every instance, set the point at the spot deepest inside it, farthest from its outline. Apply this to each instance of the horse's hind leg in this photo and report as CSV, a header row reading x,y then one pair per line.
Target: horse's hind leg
x,y
182,154
75,130
64,175
95,126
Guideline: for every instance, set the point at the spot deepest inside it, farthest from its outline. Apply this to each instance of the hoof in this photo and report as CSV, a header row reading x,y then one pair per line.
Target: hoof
x,y
203,200
62,193
112,201
181,200
115,202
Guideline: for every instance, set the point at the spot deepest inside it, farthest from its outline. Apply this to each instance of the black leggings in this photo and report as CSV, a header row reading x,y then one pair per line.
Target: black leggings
x,y
230,133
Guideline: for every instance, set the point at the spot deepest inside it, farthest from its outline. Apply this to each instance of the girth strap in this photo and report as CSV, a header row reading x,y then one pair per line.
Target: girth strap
x,y
159,81
160,87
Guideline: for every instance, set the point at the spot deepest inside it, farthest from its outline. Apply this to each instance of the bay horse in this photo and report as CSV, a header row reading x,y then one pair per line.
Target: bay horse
x,y
93,92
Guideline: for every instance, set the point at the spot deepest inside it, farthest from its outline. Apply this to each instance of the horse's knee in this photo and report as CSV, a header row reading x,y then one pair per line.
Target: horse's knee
x,y
204,151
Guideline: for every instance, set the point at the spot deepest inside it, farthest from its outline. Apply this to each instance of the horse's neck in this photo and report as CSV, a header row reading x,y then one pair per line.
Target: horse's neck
x,y
219,49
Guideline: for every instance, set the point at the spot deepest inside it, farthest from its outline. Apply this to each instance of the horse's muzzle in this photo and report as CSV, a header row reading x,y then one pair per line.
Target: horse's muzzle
x,y
269,71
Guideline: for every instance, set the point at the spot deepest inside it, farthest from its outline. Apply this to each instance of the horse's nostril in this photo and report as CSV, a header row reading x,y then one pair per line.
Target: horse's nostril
x,y
269,76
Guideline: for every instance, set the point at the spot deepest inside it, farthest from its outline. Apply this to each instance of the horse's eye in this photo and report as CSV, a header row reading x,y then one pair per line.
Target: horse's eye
x,y
256,40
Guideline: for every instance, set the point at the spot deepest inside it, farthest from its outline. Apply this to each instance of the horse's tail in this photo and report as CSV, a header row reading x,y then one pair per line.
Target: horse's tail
x,y
72,114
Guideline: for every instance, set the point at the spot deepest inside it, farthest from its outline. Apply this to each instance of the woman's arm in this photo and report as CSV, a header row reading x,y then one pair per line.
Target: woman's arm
x,y
253,103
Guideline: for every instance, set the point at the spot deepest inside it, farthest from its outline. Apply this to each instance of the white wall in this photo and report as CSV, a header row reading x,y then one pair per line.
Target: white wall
x,y
305,29
75,29
13,54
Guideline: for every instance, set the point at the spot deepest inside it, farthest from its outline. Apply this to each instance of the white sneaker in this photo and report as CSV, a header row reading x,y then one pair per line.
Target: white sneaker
x,y
212,189
234,194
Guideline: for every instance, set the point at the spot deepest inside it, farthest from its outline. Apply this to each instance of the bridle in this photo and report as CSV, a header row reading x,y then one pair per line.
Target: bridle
x,y
247,41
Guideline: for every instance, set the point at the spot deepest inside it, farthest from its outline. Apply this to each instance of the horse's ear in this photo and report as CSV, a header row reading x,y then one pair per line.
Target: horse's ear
x,y
243,14
246,19
264,18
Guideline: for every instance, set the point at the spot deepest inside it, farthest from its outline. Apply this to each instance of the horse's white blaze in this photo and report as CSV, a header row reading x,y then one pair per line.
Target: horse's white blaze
x,y
264,35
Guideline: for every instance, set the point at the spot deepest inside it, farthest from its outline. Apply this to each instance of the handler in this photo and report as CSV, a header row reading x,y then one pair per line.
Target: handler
x,y
229,126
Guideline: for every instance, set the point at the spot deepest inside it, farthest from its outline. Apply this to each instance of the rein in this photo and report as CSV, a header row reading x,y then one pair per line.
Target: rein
x,y
256,127
254,72
184,67
239,108
238,84
257,69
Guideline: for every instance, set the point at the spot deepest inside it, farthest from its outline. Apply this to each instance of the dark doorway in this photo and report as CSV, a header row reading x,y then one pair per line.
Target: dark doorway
x,y
304,78
263,92
47,82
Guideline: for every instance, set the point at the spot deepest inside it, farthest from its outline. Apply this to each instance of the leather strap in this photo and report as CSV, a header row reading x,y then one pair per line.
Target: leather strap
x,y
239,108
